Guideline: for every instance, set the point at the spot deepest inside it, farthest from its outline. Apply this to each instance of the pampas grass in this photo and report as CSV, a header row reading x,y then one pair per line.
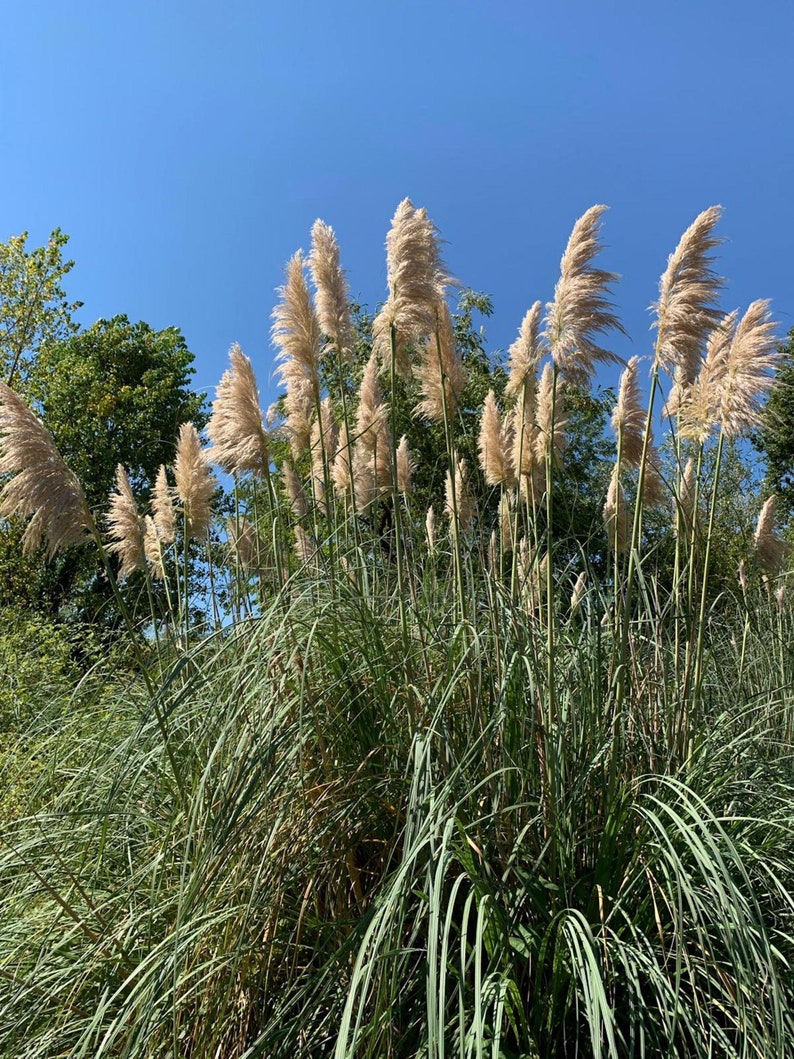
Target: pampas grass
x,y
41,487
126,527
581,310
235,428
195,482
296,333
521,788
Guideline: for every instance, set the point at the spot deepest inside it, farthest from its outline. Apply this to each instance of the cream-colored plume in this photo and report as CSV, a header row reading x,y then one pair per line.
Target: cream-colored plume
x,y
770,550
195,482
752,360
615,513
440,371
405,466
235,428
372,412
579,589
126,528
494,459
153,549
331,295
525,353
698,404
163,507
417,278
628,418
304,546
430,529
686,494
551,406
460,500
297,498
297,334
42,487
581,310
687,307
341,465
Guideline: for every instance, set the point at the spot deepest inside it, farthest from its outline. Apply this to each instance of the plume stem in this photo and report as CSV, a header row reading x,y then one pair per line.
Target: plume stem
x,y
697,681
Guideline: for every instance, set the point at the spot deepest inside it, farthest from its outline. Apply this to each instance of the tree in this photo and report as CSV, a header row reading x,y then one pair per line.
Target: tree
x,y
33,307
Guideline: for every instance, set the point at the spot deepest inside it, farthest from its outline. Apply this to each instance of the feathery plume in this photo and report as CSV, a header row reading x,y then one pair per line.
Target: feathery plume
x,y
440,370
405,466
304,547
628,418
687,307
298,504
371,409
125,526
686,494
697,404
297,334
493,458
365,478
195,482
239,441
752,359
578,591
340,468
416,277
430,528
525,353
163,507
770,550
615,513
528,467
581,309
460,498
331,297
551,404
742,577
153,549
507,505
43,486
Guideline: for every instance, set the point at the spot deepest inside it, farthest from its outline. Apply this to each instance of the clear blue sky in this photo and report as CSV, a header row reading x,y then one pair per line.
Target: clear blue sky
x,y
188,146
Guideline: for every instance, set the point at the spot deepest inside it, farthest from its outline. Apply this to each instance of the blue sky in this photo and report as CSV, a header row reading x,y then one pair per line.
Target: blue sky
x,y
188,146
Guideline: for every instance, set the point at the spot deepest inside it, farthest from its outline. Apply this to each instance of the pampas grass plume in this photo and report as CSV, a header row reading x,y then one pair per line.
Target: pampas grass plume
x,y
581,309
494,459
416,277
163,507
125,526
235,428
770,550
526,352
688,294
195,482
405,466
296,332
628,418
42,487
331,294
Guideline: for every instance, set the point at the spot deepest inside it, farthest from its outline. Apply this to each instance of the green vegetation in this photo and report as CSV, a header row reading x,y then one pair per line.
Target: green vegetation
x,y
514,779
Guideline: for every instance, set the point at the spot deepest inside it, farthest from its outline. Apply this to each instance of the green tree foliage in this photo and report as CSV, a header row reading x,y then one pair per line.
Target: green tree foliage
x,y
33,307
116,393
775,440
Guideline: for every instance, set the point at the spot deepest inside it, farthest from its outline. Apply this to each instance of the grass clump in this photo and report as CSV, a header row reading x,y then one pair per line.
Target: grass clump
x,y
458,785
